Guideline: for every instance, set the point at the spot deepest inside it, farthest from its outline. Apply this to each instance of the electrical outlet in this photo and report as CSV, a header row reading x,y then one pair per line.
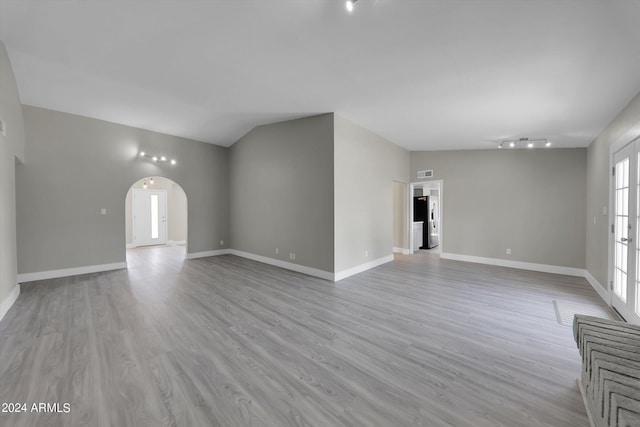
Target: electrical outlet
x,y
366,254
594,220
276,251
221,242
508,251
103,211
292,256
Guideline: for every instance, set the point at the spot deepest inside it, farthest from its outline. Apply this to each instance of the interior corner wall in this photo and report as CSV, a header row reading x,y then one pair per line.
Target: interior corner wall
x,y
11,148
281,192
76,166
531,201
366,165
625,126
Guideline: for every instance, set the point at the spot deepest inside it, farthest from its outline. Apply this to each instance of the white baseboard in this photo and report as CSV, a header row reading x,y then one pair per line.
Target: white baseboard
x,y
295,267
602,291
65,272
286,265
195,255
6,304
362,267
402,251
545,268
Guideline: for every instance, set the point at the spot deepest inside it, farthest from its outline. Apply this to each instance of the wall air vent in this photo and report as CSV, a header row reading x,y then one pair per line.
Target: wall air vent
x,y
425,174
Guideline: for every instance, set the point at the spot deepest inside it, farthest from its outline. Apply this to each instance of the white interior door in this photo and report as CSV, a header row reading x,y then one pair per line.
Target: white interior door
x,y
149,217
626,255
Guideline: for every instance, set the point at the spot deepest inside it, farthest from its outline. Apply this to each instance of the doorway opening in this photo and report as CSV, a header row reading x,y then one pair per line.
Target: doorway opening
x,y
425,216
156,217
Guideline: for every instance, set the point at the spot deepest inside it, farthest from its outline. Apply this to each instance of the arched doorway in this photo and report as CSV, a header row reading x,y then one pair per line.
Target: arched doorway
x,y
156,218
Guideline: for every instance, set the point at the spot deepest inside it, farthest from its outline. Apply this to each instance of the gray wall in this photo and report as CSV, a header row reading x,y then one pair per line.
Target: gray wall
x,y
622,127
400,215
11,147
365,167
531,201
176,208
281,188
77,165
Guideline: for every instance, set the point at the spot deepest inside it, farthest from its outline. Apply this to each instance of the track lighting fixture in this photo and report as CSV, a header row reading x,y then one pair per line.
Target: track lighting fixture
x,y
528,142
157,159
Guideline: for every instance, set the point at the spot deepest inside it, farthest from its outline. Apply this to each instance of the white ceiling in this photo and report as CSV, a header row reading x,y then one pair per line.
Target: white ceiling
x,y
424,74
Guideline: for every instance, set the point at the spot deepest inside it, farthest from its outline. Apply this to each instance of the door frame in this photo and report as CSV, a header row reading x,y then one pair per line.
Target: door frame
x,y
412,186
620,144
166,213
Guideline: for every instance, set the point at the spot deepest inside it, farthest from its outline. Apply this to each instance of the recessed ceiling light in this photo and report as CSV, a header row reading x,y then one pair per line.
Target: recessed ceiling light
x,y
530,145
548,144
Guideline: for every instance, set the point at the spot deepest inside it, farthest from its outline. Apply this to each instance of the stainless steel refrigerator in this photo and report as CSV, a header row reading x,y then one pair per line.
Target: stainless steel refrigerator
x,y
426,209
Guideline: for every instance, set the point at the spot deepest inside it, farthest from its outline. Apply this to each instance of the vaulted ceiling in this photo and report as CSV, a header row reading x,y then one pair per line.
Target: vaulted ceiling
x,y
425,74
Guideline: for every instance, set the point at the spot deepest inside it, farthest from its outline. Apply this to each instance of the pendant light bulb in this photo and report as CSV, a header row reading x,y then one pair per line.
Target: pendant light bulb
x,y
144,185
151,181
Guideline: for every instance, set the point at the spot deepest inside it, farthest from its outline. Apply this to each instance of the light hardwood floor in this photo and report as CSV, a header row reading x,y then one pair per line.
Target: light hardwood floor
x,y
231,342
